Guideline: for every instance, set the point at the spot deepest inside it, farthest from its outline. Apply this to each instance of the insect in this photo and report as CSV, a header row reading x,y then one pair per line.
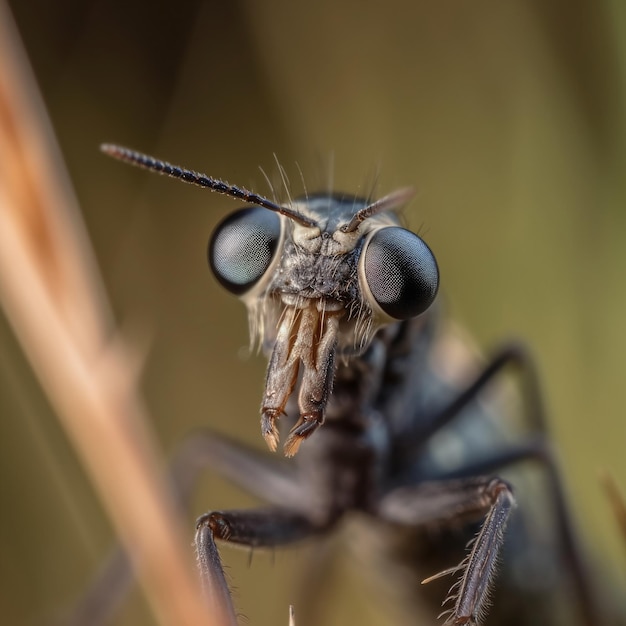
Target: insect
x,y
343,301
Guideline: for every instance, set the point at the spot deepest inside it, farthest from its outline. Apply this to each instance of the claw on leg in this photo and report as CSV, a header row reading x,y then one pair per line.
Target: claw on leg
x,y
269,430
306,426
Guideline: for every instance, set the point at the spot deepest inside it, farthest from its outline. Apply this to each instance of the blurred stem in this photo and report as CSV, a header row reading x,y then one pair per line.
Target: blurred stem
x,y
54,299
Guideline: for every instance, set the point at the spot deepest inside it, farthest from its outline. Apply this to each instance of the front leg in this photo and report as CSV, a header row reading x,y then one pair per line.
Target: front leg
x,y
450,502
257,528
214,585
254,528
258,473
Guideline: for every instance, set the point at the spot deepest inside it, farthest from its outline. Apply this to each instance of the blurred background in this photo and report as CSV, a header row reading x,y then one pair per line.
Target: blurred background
x,y
509,120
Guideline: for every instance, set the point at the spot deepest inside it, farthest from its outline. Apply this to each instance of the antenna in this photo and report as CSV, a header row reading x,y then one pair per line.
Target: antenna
x,y
386,203
201,180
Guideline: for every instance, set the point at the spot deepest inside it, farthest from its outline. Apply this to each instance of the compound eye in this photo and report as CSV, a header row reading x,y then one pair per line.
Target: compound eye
x,y
242,247
401,272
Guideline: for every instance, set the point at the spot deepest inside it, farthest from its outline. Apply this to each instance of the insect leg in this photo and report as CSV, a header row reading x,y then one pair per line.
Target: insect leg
x,y
105,593
260,528
254,528
512,355
260,474
265,476
537,448
214,585
450,502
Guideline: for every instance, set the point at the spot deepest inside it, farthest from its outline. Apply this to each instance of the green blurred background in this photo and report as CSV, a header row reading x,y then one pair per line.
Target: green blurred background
x,y
508,117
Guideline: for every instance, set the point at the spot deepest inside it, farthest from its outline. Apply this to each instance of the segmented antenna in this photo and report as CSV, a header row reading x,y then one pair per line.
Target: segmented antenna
x,y
201,180
386,203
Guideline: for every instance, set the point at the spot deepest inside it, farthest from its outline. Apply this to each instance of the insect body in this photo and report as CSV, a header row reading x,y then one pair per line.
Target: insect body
x,y
341,299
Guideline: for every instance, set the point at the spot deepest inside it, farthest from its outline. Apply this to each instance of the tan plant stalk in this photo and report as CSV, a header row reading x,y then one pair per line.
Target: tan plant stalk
x,y
54,299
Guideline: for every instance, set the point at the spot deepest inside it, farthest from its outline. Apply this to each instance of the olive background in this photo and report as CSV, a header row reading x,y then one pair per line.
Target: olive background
x,y
507,117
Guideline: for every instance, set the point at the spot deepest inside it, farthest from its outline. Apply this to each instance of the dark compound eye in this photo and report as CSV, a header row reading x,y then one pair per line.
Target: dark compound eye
x,y
242,247
401,272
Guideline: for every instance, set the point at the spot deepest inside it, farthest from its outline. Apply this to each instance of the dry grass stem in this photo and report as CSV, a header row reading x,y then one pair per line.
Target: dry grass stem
x,y
55,301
